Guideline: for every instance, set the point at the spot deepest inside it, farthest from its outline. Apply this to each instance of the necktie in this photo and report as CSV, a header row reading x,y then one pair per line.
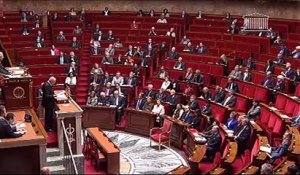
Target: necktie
x,y
226,101
129,81
240,132
107,92
61,60
231,86
266,82
138,104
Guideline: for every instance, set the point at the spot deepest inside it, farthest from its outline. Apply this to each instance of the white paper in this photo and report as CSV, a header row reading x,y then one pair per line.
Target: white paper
x,y
265,149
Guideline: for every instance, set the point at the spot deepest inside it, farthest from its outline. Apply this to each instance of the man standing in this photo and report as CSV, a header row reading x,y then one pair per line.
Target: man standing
x,y
117,100
2,68
48,102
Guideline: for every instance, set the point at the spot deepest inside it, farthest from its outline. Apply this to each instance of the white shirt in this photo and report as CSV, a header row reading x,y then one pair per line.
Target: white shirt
x,y
165,85
161,21
71,80
116,80
160,110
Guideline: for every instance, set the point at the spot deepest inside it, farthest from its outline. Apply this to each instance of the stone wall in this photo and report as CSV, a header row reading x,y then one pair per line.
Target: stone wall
x,y
273,8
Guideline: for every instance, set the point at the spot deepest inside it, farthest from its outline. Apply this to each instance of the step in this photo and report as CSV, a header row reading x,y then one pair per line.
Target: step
x,y
54,161
52,152
60,169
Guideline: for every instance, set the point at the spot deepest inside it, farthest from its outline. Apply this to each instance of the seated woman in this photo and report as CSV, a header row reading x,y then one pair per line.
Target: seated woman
x,y
75,43
178,111
95,47
148,105
159,110
232,122
206,94
118,43
71,79
188,90
188,75
54,51
92,99
138,52
282,149
162,73
96,70
165,84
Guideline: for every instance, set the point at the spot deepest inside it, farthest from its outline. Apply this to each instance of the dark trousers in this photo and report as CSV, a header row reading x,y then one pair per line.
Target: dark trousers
x,y
119,114
49,118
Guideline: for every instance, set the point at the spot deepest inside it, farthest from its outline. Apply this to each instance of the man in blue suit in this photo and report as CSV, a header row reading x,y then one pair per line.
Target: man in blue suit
x,y
213,143
187,116
232,85
140,102
117,101
282,149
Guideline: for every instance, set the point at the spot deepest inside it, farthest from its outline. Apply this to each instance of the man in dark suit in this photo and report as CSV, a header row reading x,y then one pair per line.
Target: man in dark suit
x,y
174,85
219,95
198,78
99,36
179,64
108,90
2,68
247,76
149,53
93,88
131,80
230,100
106,12
104,80
62,59
173,54
72,68
280,85
172,99
269,81
49,103
75,43
140,102
193,104
110,36
232,85
160,95
206,110
195,123
242,135
289,72
187,116
6,131
149,92
213,143
73,58
102,99
117,101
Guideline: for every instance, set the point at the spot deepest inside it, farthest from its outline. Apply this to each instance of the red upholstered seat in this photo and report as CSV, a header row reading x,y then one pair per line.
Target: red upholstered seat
x,y
241,105
280,102
162,134
289,107
248,90
261,94
297,92
272,120
241,162
206,167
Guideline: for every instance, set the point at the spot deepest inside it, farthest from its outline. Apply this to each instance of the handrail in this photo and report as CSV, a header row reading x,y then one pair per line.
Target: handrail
x,y
69,146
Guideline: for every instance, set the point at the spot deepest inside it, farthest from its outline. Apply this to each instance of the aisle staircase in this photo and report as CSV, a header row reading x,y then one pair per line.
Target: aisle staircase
x,y
55,161
83,77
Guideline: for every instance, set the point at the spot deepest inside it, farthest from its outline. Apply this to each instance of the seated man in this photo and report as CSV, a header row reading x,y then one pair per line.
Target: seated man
x,y
118,79
198,78
77,30
236,73
206,109
93,88
206,94
73,58
179,65
96,70
242,135
160,95
150,92
201,48
230,100
110,36
184,40
254,111
295,121
296,53
131,80
173,54
129,51
152,32
193,104
172,99
119,102
148,105
102,99
106,12
219,95
232,85
189,47
121,91
269,81
289,72
7,130
108,90
104,80
140,102
72,68
280,85
282,149
61,36
75,43
246,75
279,59
95,79
107,59
213,143
62,59
187,116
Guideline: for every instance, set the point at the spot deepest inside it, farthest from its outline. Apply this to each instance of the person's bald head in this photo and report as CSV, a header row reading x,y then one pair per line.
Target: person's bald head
x,y
52,80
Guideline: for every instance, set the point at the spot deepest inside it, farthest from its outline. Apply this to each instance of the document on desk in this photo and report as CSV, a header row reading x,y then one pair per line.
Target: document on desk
x,y
265,149
61,96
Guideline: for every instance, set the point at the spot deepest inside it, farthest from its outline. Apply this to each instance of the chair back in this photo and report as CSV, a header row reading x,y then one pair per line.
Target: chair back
x,y
217,159
167,126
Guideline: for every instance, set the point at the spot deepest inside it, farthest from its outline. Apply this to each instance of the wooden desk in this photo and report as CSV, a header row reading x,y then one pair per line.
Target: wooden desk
x,y
70,114
110,150
139,122
99,116
178,131
15,152
191,142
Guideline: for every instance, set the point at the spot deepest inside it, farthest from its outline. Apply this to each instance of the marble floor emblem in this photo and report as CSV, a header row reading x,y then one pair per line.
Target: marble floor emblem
x,y
137,157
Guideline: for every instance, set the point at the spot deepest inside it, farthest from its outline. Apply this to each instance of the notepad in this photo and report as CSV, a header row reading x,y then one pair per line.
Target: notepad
x,y
265,149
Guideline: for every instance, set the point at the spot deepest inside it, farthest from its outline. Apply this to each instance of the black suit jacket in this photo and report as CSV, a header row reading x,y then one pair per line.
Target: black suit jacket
x,y
102,101
243,137
132,83
193,106
105,80
269,82
181,66
3,70
214,142
175,86
6,130
140,105
74,70
219,96
206,110
270,68
151,94
199,79
195,123
160,96
121,102
232,101
234,87
64,59
173,55
144,62
173,100
97,81
48,99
